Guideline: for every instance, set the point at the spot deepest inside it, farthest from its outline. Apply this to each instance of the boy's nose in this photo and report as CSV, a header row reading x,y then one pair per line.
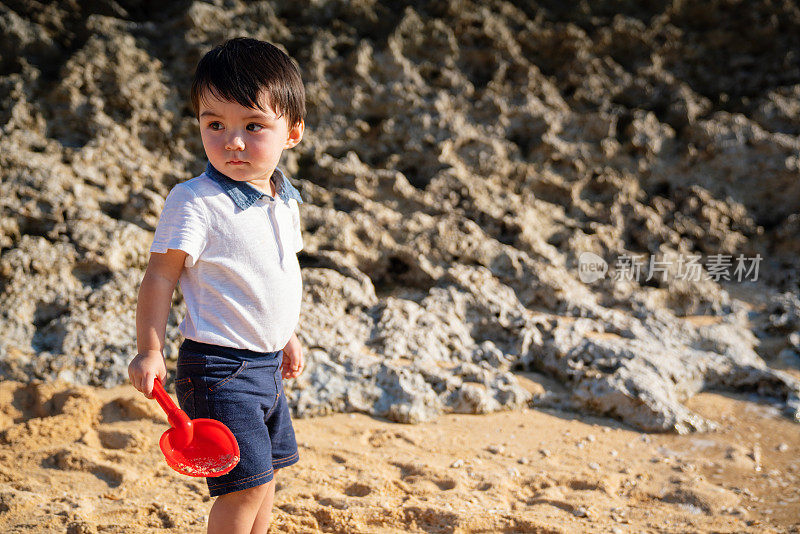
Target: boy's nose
x,y
235,143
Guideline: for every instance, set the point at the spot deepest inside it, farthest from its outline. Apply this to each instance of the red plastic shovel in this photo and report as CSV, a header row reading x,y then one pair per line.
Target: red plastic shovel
x,y
195,447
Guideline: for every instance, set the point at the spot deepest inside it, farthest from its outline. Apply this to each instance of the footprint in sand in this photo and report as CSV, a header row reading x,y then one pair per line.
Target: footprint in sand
x,y
80,460
700,495
606,484
423,475
160,517
357,490
131,409
129,441
43,416
378,438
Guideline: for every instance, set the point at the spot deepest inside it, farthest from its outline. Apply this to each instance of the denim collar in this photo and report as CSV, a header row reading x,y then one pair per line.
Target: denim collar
x,y
245,195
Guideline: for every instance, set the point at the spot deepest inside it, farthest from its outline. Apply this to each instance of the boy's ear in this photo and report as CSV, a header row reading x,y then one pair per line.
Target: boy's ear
x,y
295,134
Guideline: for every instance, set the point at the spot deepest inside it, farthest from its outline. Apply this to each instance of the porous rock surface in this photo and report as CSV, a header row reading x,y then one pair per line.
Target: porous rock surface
x,y
459,157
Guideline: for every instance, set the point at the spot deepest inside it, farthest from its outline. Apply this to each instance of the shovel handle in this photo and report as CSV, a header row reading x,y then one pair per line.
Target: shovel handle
x,y
176,417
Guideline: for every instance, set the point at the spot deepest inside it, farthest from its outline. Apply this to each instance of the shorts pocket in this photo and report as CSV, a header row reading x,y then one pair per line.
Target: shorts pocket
x,y
279,376
276,376
184,391
220,382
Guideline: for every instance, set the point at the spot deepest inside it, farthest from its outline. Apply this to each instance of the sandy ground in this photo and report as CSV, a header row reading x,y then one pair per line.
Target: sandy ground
x,y
83,460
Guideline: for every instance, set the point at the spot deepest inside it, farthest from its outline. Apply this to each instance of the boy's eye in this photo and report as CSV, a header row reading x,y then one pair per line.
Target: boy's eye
x,y
253,127
215,125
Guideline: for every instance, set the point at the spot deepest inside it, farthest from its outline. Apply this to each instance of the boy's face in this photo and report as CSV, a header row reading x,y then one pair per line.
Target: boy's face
x,y
243,143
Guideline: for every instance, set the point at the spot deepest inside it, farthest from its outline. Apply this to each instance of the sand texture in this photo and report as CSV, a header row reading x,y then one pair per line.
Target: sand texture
x,y
80,459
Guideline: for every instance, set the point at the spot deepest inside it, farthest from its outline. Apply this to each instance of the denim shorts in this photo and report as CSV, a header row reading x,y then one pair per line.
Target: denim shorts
x,y
244,390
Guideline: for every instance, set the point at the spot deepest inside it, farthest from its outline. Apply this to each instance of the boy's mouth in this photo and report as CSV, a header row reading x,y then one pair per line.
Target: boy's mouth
x,y
236,162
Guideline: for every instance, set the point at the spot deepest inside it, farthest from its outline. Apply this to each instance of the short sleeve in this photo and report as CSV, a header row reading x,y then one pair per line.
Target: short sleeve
x,y
298,234
182,225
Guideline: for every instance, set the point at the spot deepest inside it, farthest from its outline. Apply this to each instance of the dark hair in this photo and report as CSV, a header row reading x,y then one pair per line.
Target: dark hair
x,y
241,70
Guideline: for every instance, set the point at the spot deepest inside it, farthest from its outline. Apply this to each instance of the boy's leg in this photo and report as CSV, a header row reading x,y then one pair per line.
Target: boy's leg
x,y
234,513
264,516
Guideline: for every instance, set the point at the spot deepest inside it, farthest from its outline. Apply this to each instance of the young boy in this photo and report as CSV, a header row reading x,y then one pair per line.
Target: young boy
x,y
230,236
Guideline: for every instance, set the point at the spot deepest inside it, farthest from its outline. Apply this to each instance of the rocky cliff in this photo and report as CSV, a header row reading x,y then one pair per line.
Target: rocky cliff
x,y
459,158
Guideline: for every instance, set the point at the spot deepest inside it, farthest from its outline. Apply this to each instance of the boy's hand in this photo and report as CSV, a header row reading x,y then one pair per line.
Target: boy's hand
x,y
144,369
292,358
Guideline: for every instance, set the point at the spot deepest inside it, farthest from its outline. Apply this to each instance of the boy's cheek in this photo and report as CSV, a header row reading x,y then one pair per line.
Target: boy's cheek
x,y
209,141
211,146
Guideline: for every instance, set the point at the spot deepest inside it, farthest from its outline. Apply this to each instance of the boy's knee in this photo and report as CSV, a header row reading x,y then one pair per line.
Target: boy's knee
x,y
250,495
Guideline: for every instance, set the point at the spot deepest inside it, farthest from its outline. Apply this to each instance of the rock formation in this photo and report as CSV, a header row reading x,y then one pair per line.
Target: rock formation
x,y
459,158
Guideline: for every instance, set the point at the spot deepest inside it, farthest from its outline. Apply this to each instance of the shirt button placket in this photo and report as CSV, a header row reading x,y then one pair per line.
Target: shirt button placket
x,y
270,210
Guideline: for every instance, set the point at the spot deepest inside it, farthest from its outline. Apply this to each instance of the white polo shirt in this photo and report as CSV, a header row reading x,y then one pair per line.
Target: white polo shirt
x,y
241,279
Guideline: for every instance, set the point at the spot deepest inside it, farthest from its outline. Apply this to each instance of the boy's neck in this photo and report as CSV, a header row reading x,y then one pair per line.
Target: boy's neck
x,y
269,190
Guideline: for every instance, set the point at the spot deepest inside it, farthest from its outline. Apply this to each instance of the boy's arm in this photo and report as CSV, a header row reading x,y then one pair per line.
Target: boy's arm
x,y
152,311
